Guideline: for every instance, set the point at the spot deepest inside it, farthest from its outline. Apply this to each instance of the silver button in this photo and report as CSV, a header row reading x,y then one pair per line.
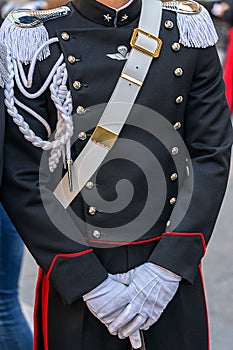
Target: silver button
x,y
174,176
178,72
175,151
176,47
177,125
169,24
82,136
90,185
168,223
179,99
65,36
92,210
96,234
71,59
77,85
80,110
173,201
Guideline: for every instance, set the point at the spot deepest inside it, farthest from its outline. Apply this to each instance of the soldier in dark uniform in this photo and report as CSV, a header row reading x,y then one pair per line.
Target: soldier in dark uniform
x,y
97,288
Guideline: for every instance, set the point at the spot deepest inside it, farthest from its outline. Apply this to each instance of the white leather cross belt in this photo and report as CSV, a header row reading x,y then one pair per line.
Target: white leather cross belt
x,y
145,46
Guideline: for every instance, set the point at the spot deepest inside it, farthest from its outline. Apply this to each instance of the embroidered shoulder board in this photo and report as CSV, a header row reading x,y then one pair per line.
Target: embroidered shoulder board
x,y
194,23
186,7
23,32
3,65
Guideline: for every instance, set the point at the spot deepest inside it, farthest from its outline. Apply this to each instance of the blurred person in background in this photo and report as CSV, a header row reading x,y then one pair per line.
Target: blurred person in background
x,y
221,26
15,333
1,4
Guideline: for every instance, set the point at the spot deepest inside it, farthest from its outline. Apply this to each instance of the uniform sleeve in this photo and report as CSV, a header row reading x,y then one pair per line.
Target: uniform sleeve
x,y
71,266
208,137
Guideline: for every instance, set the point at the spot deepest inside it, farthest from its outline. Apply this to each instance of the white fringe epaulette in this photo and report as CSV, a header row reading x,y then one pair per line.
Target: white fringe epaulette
x,y
23,32
3,65
194,23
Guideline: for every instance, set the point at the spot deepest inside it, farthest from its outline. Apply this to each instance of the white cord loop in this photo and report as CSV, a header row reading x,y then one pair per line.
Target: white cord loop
x,y
44,86
28,81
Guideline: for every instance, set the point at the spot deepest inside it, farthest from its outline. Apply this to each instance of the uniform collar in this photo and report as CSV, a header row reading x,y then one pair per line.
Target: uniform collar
x,y
99,13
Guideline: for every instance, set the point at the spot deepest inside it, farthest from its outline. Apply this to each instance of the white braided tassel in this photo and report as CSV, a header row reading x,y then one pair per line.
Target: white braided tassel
x,y
197,30
64,108
63,102
24,42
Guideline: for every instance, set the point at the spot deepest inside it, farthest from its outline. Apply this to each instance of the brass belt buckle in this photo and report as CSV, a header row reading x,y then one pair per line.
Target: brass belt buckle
x,y
104,137
142,49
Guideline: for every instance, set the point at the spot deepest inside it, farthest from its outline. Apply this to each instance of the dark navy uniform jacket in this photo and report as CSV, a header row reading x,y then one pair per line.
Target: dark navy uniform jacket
x,y
194,102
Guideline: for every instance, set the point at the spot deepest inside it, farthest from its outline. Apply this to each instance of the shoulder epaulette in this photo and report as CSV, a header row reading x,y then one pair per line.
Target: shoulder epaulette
x,y
23,31
3,65
185,7
33,18
194,23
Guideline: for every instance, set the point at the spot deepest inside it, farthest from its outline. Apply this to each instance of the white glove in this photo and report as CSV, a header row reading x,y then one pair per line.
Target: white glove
x,y
108,296
150,289
104,296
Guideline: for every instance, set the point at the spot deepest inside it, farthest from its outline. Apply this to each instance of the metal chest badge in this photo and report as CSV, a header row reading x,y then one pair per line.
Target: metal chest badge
x,y
122,53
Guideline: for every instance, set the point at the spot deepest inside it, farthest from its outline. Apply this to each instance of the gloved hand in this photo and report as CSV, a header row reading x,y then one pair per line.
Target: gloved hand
x,y
104,296
108,296
150,289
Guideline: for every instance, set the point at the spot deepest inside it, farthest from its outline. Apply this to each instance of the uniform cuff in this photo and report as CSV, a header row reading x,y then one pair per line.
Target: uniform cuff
x,y
180,253
73,275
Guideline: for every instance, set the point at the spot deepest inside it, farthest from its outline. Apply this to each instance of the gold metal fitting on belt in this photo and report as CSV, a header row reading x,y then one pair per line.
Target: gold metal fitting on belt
x,y
154,54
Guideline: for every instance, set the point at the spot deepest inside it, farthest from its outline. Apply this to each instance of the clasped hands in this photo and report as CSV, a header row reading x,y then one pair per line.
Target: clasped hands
x,y
129,302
